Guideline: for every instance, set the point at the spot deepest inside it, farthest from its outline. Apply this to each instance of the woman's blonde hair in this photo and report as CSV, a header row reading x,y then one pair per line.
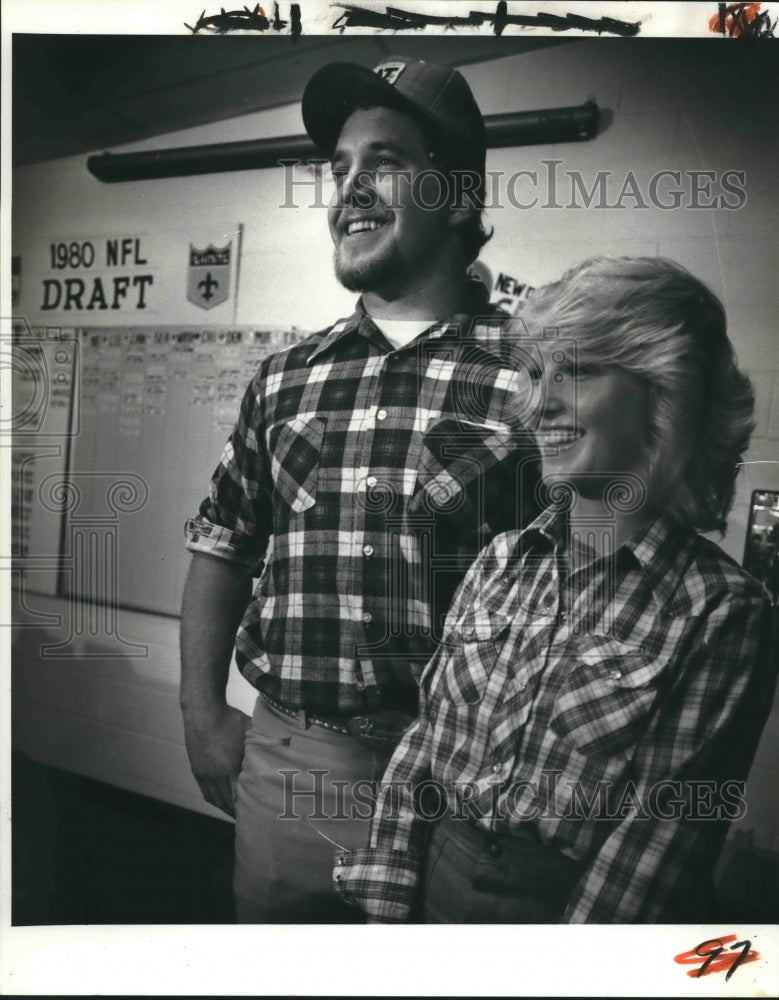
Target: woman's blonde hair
x,y
650,317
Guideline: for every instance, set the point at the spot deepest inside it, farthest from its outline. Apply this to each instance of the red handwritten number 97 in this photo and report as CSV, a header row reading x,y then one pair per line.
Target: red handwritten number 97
x,y
712,950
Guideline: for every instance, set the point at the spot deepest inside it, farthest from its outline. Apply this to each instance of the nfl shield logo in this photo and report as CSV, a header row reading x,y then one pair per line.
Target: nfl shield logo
x,y
208,283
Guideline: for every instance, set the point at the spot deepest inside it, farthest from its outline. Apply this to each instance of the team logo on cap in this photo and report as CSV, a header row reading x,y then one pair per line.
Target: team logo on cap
x,y
389,71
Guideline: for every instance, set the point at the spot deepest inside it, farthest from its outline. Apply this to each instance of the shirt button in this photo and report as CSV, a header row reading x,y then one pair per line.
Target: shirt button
x,y
522,685
367,617
470,631
615,675
371,481
497,767
494,849
367,550
381,415
359,683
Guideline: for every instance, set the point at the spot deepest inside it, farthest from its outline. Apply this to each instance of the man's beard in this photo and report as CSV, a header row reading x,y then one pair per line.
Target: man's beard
x,y
367,274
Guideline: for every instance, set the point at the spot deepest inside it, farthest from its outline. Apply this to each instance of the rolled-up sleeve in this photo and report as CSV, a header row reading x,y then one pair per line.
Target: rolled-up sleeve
x,y
235,521
382,882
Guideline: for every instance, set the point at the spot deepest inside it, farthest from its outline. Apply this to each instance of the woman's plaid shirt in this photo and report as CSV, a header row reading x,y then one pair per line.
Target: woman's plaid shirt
x,y
619,728
380,474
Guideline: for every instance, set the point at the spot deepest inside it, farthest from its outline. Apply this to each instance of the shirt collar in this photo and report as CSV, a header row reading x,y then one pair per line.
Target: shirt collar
x,y
341,329
549,525
475,303
662,549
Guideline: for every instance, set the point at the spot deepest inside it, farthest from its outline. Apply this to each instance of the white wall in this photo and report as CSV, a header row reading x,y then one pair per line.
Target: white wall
x,y
672,110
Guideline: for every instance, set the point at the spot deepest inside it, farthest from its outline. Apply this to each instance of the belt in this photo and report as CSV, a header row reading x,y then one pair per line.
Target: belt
x,y
379,730
306,718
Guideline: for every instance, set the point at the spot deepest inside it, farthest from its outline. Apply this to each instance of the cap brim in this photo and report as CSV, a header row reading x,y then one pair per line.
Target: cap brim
x,y
335,91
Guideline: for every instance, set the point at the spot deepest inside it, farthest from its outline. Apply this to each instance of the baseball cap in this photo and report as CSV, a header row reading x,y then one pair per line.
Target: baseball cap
x,y
439,94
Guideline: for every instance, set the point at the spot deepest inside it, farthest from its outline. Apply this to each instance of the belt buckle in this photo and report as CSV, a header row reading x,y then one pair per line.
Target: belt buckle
x,y
380,730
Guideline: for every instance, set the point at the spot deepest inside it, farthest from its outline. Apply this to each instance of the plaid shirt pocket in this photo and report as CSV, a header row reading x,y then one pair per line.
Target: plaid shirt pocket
x,y
455,458
477,639
604,703
295,448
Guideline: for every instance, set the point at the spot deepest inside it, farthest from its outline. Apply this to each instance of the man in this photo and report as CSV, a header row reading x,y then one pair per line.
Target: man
x,y
380,455
590,717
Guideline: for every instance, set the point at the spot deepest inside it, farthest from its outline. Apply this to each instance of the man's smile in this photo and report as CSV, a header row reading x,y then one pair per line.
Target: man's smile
x,y
365,226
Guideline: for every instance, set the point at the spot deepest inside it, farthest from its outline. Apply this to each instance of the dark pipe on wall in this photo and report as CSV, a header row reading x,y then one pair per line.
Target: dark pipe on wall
x,y
521,128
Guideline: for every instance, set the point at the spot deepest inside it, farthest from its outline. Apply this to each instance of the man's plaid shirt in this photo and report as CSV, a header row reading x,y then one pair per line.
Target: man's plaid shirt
x,y
644,698
380,474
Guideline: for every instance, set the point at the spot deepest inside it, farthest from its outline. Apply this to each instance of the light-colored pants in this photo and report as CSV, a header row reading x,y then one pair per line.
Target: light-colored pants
x,y
302,794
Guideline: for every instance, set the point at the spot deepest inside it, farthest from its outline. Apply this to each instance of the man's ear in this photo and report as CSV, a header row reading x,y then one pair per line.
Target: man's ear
x,y
465,196
460,214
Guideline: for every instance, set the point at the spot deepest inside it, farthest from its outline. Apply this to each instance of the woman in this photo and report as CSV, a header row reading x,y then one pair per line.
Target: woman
x,y
589,719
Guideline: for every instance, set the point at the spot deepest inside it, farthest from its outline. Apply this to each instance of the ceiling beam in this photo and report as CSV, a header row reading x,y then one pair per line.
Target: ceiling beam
x,y
520,128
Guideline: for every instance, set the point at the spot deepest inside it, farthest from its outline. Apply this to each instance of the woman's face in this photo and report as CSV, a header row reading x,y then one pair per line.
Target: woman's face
x,y
592,426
